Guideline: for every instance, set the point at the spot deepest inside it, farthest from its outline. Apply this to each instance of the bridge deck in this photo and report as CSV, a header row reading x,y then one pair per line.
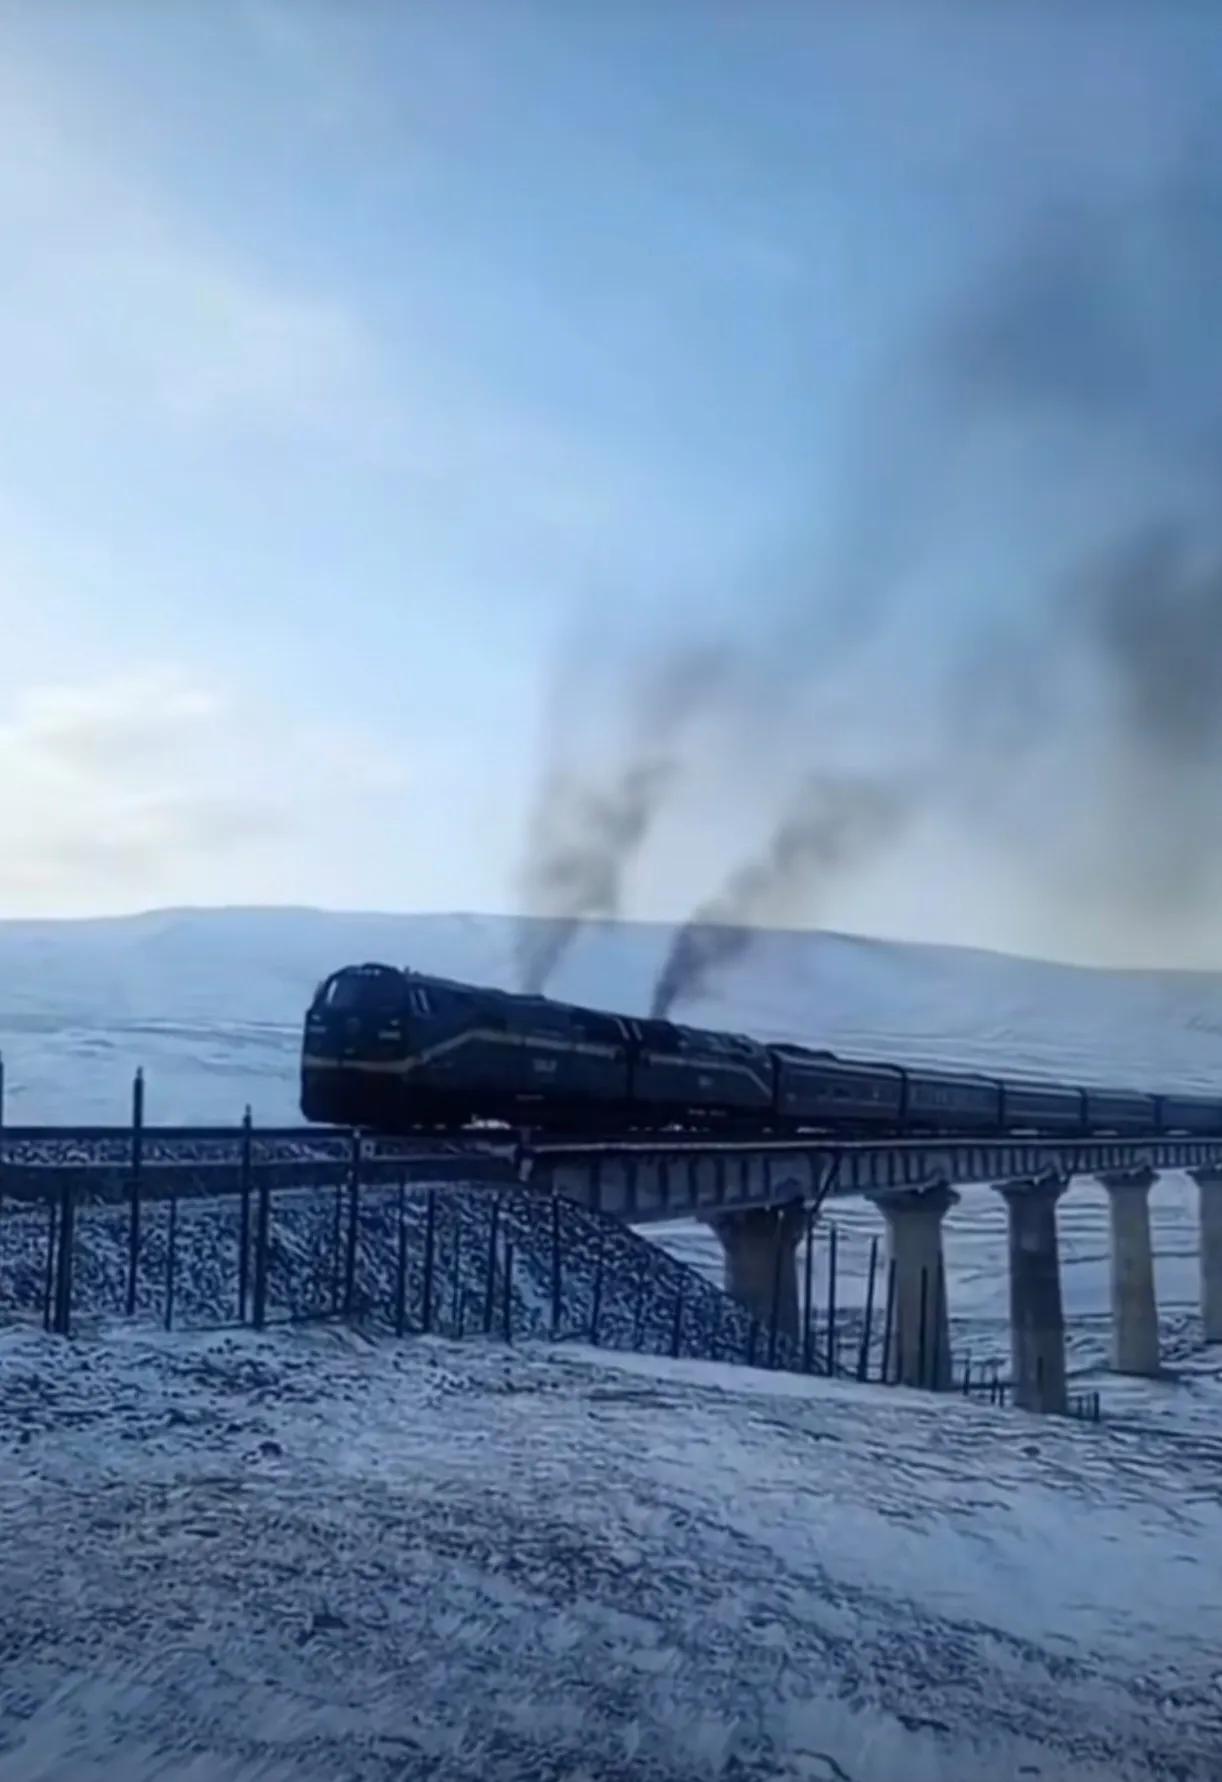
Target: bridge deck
x,y
638,1179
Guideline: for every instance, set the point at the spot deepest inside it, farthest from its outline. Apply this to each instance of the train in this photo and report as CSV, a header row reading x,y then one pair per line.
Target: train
x,y
397,1051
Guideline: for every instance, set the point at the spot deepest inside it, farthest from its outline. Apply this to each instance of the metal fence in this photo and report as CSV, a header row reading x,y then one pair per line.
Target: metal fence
x,y
448,1261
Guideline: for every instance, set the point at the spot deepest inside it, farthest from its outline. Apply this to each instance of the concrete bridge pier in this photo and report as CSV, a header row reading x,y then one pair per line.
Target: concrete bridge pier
x,y
919,1349
761,1260
1134,1308
1209,1187
1037,1318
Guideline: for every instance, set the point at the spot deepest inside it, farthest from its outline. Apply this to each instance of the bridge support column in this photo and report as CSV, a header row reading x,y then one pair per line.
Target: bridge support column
x,y
919,1350
761,1261
1134,1308
1209,1187
1037,1319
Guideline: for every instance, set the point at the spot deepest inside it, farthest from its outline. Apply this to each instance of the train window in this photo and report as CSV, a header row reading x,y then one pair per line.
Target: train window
x,y
421,1002
590,1025
364,992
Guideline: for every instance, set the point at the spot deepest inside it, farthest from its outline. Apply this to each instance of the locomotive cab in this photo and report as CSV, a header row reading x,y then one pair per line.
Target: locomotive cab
x,y
356,1035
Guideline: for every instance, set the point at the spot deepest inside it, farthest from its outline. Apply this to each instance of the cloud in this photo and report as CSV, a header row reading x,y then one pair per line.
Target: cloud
x,y
96,728
154,786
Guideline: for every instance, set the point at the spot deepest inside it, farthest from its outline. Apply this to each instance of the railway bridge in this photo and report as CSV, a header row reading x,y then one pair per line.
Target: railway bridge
x,y
758,1195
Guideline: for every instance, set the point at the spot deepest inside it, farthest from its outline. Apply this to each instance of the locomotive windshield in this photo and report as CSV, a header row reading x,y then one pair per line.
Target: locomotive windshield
x,y
363,992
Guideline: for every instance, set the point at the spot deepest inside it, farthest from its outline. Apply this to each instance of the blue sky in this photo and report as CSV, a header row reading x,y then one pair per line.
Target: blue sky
x,y
360,358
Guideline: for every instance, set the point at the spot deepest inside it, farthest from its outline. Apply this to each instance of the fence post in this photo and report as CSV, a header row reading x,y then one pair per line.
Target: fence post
x,y
263,1213
430,1242
774,1303
170,1246
556,1278
967,1375
921,1380
490,1272
596,1291
888,1317
507,1300
808,1297
939,1299
401,1266
676,1335
753,1333
832,1247
48,1285
863,1359
137,1164
337,1245
456,1314
638,1313
354,1215
245,1162
63,1281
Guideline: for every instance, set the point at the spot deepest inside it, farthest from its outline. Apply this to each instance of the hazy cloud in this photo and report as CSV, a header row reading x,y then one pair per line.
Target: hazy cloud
x,y
134,789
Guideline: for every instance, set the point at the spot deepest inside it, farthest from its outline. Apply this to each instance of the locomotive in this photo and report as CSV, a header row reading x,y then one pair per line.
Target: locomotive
x,y
398,1052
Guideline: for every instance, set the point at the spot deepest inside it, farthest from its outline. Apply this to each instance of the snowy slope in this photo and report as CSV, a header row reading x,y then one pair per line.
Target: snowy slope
x,y
211,1001
304,1557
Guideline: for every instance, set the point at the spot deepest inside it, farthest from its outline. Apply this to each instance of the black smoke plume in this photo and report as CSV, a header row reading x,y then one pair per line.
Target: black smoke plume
x,y
1154,605
1069,390
1149,612
585,835
832,825
1057,347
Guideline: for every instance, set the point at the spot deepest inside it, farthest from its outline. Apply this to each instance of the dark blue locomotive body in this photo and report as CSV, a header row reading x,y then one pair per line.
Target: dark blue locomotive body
x,y
398,1051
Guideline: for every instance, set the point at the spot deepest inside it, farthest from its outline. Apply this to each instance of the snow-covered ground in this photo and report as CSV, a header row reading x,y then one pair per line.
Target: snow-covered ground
x,y
305,1556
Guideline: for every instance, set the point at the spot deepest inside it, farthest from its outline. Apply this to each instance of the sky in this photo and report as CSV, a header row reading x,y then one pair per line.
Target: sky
x,y
394,390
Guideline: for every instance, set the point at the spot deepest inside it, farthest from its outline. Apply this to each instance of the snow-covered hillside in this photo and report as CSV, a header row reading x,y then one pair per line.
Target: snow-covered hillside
x,y
236,1559
210,1003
